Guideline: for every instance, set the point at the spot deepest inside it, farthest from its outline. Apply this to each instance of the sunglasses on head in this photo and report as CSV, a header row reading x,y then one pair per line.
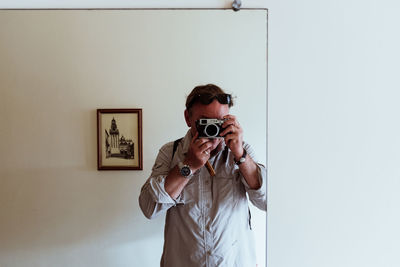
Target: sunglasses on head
x,y
207,98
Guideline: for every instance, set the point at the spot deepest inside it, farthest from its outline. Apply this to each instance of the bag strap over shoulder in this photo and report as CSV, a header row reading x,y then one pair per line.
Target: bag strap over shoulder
x,y
176,143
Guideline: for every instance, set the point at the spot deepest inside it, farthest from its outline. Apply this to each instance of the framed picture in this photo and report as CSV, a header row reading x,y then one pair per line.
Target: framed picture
x,y
119,139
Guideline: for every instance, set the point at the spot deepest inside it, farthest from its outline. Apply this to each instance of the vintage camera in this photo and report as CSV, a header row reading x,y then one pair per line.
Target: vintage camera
x,y
209,128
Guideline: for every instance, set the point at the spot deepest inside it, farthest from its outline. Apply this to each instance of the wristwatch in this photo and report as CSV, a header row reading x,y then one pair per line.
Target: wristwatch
x,y
185,170
242,158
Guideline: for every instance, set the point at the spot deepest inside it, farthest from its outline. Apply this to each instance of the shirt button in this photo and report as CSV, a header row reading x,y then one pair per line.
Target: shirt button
x,y
207,182
209,252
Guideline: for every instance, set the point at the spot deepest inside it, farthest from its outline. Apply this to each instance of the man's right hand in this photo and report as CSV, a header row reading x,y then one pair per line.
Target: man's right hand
x,y
198,153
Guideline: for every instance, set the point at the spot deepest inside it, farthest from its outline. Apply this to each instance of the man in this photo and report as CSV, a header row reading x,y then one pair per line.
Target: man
x,y
208,218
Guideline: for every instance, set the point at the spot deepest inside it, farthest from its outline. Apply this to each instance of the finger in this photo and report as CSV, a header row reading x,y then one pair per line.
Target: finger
x,y
205,146
230,121
201,141
230,129
227,121
229,117
232,139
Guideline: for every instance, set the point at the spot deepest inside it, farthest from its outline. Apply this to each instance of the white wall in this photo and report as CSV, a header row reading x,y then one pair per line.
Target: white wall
x,y
58,67
333,132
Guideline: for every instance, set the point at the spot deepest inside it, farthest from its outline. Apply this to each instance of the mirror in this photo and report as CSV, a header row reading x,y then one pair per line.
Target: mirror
x,y
57,67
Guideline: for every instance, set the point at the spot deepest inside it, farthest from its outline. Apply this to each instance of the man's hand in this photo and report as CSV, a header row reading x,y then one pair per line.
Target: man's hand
x,y
233,135
198,153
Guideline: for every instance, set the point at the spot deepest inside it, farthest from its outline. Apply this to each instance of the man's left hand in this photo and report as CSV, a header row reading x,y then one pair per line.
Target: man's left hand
x,y
233,135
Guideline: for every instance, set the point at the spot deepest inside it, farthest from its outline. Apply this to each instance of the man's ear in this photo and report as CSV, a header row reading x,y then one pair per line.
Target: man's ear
x,y
187,119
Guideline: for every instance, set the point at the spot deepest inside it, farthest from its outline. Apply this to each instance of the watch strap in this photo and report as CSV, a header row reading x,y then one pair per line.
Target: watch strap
x,y
242,158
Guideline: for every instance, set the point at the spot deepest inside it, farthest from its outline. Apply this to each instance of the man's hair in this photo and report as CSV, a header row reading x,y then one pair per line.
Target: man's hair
x,y
211,89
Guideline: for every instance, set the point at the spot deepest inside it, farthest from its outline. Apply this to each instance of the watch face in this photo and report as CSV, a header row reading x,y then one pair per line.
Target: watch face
x,y
242,160
185,171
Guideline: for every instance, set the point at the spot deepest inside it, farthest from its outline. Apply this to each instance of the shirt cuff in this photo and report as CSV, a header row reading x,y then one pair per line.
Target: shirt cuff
x,y
159,194
261,179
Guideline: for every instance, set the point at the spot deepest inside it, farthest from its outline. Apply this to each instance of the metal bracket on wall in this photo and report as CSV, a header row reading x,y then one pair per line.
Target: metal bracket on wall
x,y
236,5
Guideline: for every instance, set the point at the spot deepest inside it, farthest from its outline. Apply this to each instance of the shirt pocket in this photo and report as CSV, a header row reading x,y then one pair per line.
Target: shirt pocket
x,y
190,193
225,187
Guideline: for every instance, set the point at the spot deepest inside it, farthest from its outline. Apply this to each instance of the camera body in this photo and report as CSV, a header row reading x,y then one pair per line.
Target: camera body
x,y
209,128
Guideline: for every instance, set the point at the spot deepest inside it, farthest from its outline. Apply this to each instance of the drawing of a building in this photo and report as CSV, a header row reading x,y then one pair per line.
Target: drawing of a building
x,y
116,146
114,134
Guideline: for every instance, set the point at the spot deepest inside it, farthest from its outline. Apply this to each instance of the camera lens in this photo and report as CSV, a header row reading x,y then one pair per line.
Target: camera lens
x,y
211,130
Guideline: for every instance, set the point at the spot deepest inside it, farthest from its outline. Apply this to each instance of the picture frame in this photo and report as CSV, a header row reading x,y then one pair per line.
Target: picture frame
x,y
119,139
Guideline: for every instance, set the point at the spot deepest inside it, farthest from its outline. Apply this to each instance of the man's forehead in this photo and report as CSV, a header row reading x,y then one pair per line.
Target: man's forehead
x,y
210,117
209,112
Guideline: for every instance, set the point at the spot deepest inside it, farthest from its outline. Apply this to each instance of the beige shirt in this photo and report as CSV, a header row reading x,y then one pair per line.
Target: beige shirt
x,y
209,224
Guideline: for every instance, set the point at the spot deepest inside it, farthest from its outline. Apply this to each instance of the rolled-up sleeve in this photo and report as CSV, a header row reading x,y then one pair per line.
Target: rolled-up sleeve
x,y
258,197
153,198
